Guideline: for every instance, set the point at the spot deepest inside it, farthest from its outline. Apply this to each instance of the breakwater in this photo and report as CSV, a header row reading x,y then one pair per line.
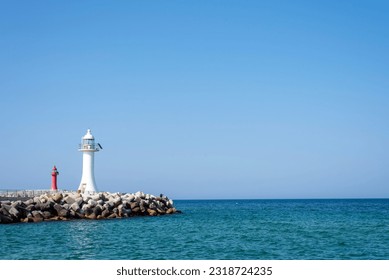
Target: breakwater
x,y
73,205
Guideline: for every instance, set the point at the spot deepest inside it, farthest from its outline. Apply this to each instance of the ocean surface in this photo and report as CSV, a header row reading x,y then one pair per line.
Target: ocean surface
x,y
215,229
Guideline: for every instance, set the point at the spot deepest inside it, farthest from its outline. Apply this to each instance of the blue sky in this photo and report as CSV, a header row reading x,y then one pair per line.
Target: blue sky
x,y
198,99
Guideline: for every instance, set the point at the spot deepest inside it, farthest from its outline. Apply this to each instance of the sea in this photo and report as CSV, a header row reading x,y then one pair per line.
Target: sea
x,y
302,229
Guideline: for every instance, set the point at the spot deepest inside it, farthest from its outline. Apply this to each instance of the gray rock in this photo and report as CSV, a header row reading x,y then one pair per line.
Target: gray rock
x,y
37,219
130,197
17,203
69,200
109,205
14,212
61,212
43,206
152,206
91,216
57,197
152,212
105,213
75,207
120,210
140,194
100,202
79,201
66,206
47,215
126,212
38,215
98,210
5,219
92,202
80,215
117,201
134,205
72,214
96,197
112,216
86,198
30,207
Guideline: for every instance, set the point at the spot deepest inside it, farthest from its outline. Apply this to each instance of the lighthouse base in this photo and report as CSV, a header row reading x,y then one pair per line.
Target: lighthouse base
x,y
87,188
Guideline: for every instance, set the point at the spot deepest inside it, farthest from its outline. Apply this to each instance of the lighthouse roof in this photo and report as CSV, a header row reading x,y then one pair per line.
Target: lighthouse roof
x,y
88,135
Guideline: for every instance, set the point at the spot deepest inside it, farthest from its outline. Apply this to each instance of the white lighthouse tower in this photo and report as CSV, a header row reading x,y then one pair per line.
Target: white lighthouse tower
x,y
88,148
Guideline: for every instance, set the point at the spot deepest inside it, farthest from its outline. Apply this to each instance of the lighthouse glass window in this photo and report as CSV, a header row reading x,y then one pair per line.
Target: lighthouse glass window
x,y
88,144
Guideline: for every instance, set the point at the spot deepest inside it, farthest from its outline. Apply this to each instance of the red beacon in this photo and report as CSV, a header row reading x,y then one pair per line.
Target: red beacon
x,y
54,174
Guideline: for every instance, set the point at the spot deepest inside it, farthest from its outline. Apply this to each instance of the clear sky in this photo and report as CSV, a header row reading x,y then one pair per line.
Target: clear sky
x,y
198,99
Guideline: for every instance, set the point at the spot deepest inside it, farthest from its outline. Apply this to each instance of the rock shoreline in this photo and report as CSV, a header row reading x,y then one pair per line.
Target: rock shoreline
x,y
73,205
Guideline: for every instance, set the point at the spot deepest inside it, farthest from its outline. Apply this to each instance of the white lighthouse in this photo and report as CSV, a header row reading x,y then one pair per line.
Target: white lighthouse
x,y
88,149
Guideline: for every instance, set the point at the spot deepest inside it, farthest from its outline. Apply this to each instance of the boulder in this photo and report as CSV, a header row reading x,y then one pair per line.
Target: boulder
x,y
96,197
69,200
152,212
37,216
14,213
140,194
97,210
72,214
57,197
105,213
92,202
142,208
86,198
17,203
152,206
109,205
37,219
100,202
23,211
61,212
120,208
91,216
75,207
37,213
126,212
47,215
80,215
66,206
130,197
30,207
117,201
112,216
5,219
43,206
134,205
79,201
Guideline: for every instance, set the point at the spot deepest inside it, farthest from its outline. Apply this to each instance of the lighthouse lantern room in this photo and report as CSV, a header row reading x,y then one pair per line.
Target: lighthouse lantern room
x,y
88,147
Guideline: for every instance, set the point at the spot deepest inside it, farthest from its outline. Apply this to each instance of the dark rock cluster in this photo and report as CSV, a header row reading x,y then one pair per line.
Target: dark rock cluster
x,y
73,205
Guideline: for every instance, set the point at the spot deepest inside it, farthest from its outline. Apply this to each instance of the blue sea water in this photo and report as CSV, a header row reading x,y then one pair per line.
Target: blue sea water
x,y
215,229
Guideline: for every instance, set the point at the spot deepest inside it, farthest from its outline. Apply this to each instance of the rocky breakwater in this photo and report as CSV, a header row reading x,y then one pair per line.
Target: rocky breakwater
x,y
67,206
